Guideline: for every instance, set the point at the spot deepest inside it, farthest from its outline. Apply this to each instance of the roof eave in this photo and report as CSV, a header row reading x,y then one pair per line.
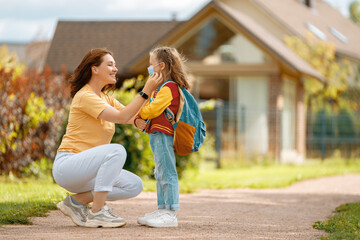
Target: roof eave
x,y
310,72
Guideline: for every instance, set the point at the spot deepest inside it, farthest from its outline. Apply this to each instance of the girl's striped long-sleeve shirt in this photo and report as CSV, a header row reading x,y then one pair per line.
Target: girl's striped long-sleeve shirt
x,y
167,97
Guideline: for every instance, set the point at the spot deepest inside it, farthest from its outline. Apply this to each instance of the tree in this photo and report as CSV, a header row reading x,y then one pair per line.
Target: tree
x,y
355,12
355,16
321,56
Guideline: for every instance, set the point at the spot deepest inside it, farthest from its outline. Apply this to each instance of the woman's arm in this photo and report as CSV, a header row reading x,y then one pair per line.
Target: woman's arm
x,y
124,116
131,120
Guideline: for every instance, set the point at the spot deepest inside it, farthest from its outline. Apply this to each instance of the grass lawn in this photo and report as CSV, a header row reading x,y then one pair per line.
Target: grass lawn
x,y
272,176
344,224
20,199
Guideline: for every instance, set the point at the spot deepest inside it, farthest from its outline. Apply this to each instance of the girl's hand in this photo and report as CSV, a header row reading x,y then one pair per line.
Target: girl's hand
x,y
152,83
140,123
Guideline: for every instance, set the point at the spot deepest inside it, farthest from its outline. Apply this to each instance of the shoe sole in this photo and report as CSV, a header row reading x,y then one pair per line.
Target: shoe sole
x,y
97,224
141,222
67,212
161,225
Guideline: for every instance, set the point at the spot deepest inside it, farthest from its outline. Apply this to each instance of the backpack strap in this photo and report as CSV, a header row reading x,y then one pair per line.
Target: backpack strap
x,y
163,85
167,111
169,115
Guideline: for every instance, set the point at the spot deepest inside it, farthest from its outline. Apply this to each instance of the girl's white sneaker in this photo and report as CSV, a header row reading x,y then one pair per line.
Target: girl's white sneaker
x,y
143,220
163,219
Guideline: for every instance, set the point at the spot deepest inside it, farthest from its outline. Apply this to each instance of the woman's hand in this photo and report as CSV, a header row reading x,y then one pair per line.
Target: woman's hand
x,y
152,83
111,114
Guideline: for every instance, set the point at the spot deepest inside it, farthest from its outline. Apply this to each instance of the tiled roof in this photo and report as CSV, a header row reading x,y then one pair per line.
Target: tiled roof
x,y
277,47
72,39
296,17
131,41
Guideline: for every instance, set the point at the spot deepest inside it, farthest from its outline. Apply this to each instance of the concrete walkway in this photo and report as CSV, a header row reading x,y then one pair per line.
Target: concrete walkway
x,y
286,213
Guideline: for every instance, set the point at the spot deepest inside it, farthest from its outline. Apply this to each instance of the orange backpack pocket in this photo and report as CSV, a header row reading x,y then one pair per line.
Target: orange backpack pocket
x,y
184,138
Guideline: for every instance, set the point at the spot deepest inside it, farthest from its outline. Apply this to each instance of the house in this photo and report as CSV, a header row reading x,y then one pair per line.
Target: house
x,y
298,17
32,54
18,48
235,53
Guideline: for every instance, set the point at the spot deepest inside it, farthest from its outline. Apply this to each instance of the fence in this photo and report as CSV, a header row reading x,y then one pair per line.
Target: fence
x,y
244,132
333,134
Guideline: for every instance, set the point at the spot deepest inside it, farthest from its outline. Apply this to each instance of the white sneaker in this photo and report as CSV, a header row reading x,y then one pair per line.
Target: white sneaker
x,y
163,219
143,220
104,218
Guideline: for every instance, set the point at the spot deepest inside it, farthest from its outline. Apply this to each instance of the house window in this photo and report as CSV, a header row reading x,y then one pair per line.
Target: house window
x,y
339,35
211,87
250,114
216,43
316,31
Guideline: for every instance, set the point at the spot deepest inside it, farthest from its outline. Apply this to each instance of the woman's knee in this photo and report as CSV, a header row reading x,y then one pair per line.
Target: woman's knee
x,y
119,150
137,187
117,154
130,190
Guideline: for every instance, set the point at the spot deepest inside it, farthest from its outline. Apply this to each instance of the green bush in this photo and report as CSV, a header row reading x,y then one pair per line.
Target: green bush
x,y
139,157
40,169
32,110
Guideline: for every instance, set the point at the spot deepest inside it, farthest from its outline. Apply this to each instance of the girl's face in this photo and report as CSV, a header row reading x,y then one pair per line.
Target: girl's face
x,y
158,67
106,71
154,62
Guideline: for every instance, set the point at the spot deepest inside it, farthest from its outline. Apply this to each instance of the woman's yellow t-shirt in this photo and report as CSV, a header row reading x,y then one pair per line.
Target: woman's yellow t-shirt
x,y
85,130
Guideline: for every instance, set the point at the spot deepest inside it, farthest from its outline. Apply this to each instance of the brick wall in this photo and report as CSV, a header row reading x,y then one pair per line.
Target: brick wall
x,y
300,120
275,99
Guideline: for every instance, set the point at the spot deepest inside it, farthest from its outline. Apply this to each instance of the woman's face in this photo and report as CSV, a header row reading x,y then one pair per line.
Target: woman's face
x,y
106,71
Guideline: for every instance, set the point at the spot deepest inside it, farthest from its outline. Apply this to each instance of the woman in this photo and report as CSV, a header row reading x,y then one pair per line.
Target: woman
x,y
86,163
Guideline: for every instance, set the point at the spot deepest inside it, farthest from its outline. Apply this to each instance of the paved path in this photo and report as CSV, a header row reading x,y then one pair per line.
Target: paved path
x,y
286,213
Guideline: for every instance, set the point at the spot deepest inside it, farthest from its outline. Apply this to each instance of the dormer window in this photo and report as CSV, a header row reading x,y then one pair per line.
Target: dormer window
x,y
317,32
338,35
214,42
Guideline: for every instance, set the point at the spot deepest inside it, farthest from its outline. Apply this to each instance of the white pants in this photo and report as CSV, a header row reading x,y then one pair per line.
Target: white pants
x,y
97,169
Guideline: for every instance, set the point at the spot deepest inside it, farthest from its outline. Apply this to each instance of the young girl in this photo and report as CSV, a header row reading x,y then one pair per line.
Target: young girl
x,y
169,63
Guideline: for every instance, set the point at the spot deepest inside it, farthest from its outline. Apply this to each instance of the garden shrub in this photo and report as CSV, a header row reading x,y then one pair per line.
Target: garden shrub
x,y
33,105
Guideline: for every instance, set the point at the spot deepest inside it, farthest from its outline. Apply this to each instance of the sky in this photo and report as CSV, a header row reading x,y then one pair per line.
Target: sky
x,y
35,20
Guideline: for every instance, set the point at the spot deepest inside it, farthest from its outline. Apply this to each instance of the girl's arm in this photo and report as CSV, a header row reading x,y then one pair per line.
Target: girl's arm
x,y
157,107
124,116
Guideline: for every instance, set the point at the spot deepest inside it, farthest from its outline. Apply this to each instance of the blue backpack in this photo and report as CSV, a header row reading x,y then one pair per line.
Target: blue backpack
x,y
188,124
